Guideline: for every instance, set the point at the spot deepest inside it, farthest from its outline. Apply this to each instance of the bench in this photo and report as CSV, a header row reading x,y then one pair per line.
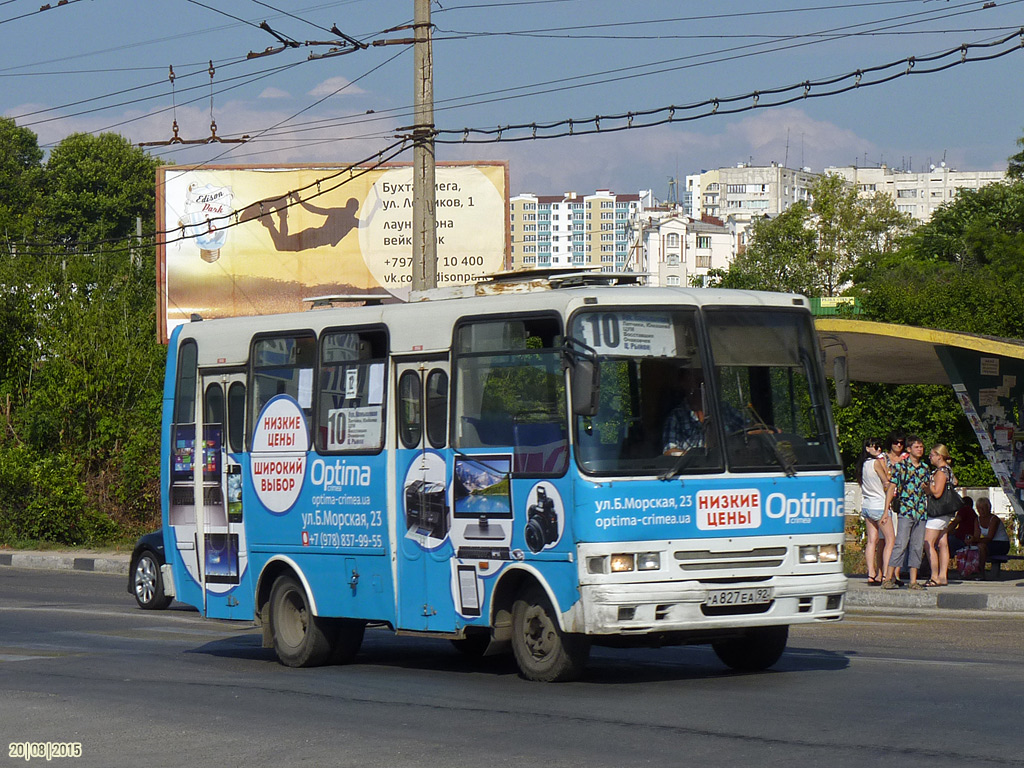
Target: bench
x,y
996,561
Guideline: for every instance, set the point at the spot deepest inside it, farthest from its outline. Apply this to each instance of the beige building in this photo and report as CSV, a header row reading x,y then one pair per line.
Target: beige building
x,y
918,194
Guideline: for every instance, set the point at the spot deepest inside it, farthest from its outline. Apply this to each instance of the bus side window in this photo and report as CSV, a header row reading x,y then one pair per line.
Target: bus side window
x,y
510,391
183,449
185,389
350,391
410,409
236,416
437,408
282,366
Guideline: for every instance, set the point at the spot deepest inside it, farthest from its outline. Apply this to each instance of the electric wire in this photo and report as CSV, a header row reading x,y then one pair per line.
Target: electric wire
x,y
627,121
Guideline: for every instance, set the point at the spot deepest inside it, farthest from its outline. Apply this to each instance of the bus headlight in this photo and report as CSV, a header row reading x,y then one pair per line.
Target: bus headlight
x,y
623,563
828,553
819,553
648,561
809,554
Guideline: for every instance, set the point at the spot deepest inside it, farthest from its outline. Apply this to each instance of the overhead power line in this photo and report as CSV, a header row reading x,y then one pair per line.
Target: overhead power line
x,y
776,97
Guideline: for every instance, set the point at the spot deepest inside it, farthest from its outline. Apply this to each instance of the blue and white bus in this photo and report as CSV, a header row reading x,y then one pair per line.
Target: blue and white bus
x,y
494,466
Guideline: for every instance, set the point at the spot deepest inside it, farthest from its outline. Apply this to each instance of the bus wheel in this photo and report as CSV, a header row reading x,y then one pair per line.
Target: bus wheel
x,y
348,636
758,649
300,638
543,651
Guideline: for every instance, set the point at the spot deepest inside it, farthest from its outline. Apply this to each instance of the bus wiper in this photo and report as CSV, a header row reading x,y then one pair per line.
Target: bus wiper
x,y
681,462
784,457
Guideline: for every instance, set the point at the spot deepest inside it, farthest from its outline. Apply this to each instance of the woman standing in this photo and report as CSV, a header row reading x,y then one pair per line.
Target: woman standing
x,y
935,539
890,459
874,481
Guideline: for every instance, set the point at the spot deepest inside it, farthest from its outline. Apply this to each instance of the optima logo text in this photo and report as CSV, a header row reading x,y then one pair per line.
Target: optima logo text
x,y
803,509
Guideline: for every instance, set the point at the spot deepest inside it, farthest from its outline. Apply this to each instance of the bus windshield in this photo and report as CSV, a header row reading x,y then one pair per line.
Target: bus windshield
x,y
753,401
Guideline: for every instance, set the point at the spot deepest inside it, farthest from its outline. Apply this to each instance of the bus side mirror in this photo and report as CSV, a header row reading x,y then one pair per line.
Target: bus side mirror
x,y
841,374
585,386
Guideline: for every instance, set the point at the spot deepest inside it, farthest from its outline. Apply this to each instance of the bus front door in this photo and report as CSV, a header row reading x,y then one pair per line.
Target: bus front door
x,y
424,488
221,551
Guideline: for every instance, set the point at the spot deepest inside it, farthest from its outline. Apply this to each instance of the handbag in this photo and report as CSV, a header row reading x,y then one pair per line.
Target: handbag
x,y
967,561
945,505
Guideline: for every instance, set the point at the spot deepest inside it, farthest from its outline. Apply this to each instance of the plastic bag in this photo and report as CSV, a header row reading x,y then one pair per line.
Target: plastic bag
x,y
967,561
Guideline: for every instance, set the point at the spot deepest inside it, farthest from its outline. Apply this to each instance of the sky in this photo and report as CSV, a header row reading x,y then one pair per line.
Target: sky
x,y
103,65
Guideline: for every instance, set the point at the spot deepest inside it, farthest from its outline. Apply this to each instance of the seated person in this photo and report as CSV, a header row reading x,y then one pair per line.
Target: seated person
x,y
992,538
963,526
685,426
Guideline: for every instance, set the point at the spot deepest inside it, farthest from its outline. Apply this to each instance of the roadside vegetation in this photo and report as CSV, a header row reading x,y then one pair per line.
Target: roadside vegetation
x,y
80,365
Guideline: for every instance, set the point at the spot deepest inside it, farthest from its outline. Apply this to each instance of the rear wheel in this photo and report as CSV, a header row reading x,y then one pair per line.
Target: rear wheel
x,y
756,650
300,638
148,584
543,651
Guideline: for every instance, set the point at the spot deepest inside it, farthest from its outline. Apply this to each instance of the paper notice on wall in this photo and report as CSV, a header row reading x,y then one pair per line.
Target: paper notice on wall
x,y
987,397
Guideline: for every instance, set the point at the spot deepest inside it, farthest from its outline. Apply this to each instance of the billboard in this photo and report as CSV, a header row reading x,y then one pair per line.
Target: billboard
x,y
254,240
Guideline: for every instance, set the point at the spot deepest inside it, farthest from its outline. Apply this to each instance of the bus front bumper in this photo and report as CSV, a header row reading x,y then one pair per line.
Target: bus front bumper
x,y
642,609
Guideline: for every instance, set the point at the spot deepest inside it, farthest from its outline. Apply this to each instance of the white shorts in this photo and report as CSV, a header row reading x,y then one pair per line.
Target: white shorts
x,y
938,523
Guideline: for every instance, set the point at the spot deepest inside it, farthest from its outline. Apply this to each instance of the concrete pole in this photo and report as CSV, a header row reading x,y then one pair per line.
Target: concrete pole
x,y
424,194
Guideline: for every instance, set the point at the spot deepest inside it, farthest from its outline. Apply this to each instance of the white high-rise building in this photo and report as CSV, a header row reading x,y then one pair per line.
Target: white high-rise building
x,y
574,230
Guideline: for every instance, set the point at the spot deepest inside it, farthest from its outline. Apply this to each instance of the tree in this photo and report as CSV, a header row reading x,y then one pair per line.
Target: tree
x,y
1015,170
20,177
959,271
96,187
780,256
815,248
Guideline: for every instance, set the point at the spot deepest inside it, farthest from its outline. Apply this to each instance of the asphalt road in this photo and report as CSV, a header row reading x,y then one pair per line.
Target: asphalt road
x,y
80,663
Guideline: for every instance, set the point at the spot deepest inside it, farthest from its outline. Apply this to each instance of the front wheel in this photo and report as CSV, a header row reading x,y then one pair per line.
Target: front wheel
x,y
756,650
300,638
543,651
148,584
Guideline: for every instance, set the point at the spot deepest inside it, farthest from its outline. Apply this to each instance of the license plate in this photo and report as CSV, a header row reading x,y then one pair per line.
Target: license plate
x,y
759,595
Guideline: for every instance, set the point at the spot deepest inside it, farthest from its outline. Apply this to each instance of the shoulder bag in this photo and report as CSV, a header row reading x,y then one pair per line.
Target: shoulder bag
x,y
947,504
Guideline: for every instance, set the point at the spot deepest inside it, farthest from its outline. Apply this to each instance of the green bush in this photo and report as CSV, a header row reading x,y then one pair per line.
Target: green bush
x,y
44,498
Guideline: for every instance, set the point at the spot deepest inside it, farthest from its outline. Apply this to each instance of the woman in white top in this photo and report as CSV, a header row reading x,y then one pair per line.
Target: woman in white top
x,y
874,481
993,538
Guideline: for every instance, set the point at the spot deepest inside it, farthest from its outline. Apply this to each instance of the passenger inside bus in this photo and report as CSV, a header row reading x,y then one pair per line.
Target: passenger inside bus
x,y
687,424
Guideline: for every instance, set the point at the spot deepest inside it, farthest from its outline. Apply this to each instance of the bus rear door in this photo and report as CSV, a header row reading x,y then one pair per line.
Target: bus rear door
x,y
423,509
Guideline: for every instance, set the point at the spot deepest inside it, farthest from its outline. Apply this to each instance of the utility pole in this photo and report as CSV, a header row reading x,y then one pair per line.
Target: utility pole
x,y
424,189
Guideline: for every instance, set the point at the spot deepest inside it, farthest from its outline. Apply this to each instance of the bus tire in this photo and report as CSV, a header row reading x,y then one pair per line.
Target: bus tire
x,y
758,649
543,651
300,638
348,637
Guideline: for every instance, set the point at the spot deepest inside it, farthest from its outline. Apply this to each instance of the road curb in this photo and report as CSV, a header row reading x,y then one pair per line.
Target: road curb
x,y
994,596
116,564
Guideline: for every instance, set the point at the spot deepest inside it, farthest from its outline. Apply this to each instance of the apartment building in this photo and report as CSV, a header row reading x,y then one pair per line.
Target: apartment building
x,y
574,230
918,194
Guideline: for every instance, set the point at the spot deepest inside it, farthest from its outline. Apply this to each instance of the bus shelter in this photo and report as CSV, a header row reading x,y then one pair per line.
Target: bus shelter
x,y
986,373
